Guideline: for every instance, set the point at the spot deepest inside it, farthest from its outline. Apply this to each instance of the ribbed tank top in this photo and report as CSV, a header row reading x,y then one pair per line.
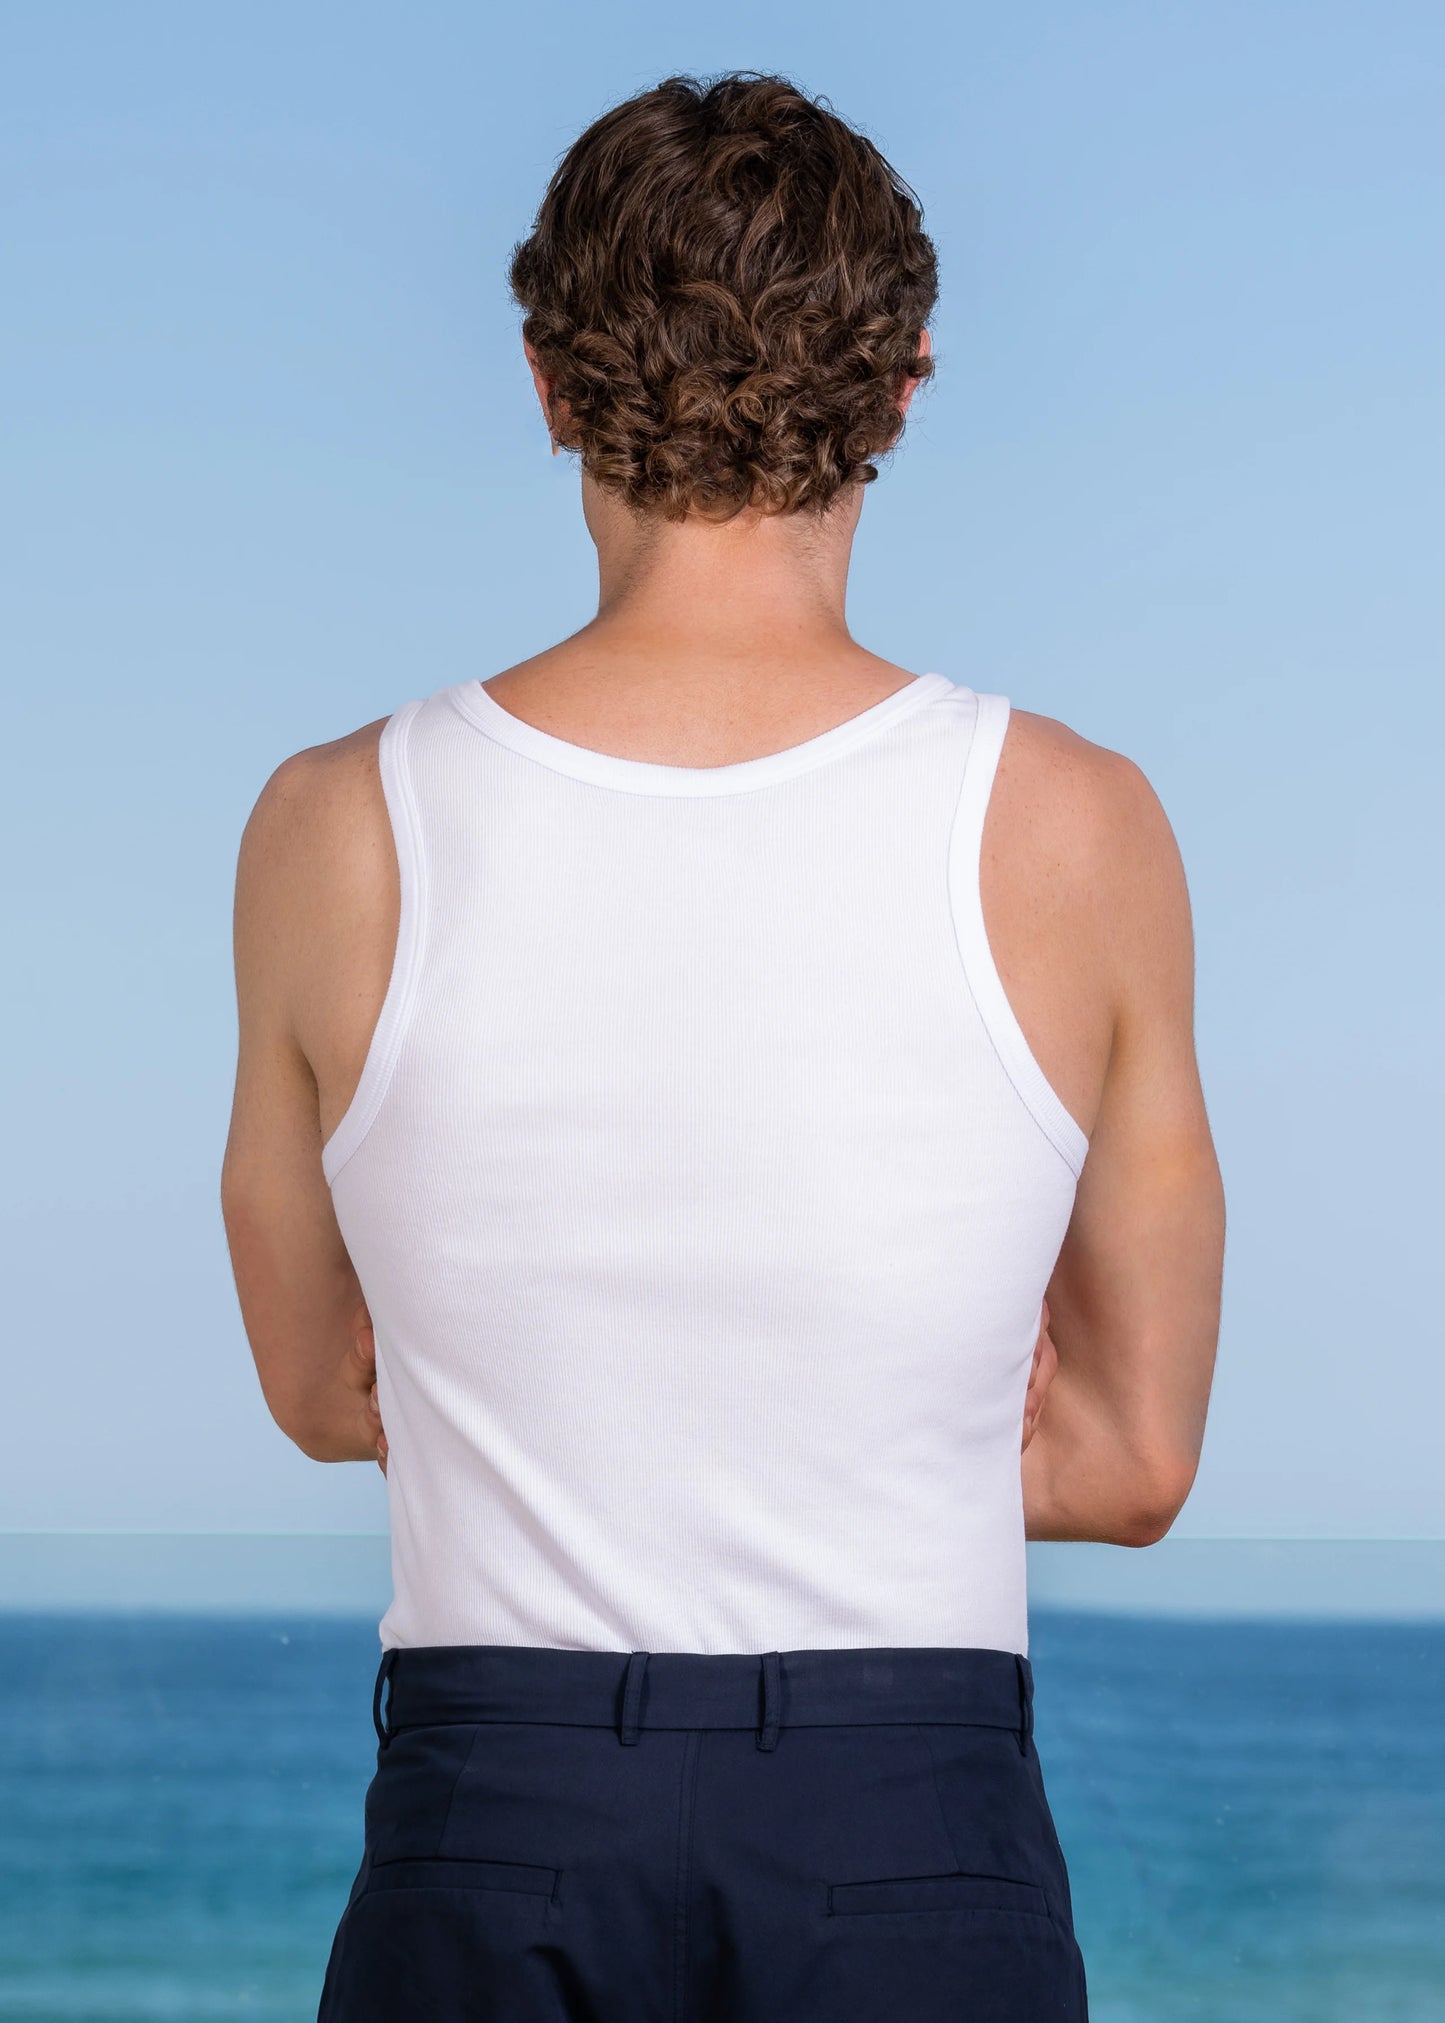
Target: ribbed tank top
x,y
703,1190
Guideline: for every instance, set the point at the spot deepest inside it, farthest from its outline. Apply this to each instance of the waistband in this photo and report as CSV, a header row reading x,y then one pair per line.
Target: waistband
x,y
437,1684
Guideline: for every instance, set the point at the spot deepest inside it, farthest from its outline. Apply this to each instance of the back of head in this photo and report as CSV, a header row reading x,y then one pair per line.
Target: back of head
x,y
726,286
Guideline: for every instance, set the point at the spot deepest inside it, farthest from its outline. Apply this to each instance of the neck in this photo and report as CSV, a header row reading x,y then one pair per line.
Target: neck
x,y
750,593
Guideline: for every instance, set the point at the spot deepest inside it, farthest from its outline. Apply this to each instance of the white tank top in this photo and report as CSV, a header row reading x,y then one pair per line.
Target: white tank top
x,y
703,1190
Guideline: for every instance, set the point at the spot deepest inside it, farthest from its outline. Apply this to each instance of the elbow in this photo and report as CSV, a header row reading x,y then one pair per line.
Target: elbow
x,y
1155,1499
299,1430
309,1439
316,1439
301,1419
1144,1526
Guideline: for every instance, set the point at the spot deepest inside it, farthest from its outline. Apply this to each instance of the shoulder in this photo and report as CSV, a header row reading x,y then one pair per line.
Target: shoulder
x,y
1090,810
318,795
1081,828
321,816
1084,795
316,856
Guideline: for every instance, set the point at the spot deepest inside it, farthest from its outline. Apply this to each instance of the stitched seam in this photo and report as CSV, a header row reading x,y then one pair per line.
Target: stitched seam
x,y
456,1785
1044,1892
983,981
602,769
950,1910
948,1841
687,1807
394,1020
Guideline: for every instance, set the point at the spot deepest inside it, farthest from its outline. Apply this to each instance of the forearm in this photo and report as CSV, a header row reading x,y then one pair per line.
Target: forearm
x,y
329,1406
308,1328
1090,1474
319,1393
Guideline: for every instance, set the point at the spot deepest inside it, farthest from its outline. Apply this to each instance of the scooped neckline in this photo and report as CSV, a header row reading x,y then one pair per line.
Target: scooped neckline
x,y
644,776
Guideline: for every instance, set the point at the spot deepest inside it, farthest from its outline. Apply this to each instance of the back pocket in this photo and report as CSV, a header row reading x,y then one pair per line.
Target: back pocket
x,y
938,1893
454,1872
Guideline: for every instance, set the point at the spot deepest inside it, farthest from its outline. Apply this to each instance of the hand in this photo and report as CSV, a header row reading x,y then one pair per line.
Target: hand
x,y
361,1375
1045,1368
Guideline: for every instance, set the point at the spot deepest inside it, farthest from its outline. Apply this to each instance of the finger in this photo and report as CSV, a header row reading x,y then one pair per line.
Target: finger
x,y
1045,1369
1048,1363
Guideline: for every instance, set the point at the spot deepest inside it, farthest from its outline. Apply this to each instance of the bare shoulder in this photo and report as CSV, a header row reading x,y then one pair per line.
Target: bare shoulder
x,y
314,801
1085,798
1085,903
316,882
1087,822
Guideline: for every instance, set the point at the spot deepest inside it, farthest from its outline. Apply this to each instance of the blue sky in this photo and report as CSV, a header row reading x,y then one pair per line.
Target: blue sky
x,y
272,466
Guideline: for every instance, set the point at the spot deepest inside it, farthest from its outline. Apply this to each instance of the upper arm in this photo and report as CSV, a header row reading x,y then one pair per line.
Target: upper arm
x,y
1096,946
296,1285
1136,1292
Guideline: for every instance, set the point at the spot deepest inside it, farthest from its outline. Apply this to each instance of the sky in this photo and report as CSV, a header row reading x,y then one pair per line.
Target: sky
x,y
272,465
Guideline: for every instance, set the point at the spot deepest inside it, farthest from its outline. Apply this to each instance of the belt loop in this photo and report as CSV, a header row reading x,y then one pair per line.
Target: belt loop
x,y
1026,1701
627,1726
383,1673
767,1737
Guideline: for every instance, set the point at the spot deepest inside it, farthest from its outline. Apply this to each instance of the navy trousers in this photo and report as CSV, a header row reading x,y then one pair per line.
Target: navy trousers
x,y
837,1836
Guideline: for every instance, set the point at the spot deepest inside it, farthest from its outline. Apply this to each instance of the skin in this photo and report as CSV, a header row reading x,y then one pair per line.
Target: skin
x,y
714,644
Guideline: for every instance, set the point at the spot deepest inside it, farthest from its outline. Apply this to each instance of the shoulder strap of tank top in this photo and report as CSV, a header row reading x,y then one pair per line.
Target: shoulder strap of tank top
x,y
400,798
965,854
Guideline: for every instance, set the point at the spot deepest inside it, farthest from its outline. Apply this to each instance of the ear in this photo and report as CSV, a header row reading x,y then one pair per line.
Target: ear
x,y
911,386
544,392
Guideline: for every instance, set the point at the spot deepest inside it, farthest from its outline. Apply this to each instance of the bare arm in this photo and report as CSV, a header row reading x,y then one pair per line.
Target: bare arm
x,y
1134,1300
307,871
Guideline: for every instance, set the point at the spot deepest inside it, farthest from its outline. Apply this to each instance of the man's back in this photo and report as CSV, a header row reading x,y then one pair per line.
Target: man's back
x,y
1085,919
1082,937
703,1191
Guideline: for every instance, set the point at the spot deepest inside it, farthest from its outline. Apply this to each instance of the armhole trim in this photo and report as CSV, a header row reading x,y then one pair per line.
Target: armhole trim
x,y
396,1006
979,968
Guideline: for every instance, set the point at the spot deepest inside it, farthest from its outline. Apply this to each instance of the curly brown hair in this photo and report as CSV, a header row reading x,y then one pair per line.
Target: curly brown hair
x,y
726,287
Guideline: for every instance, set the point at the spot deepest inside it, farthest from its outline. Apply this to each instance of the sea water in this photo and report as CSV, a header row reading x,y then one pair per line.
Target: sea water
x,y
1253,1814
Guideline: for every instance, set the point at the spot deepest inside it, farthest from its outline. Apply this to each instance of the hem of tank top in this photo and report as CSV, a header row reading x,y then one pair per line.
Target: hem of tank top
x,y
392,1020
981,974
643,776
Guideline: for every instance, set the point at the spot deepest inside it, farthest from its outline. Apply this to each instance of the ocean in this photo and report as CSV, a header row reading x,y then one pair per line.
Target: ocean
x,y
1253,1814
